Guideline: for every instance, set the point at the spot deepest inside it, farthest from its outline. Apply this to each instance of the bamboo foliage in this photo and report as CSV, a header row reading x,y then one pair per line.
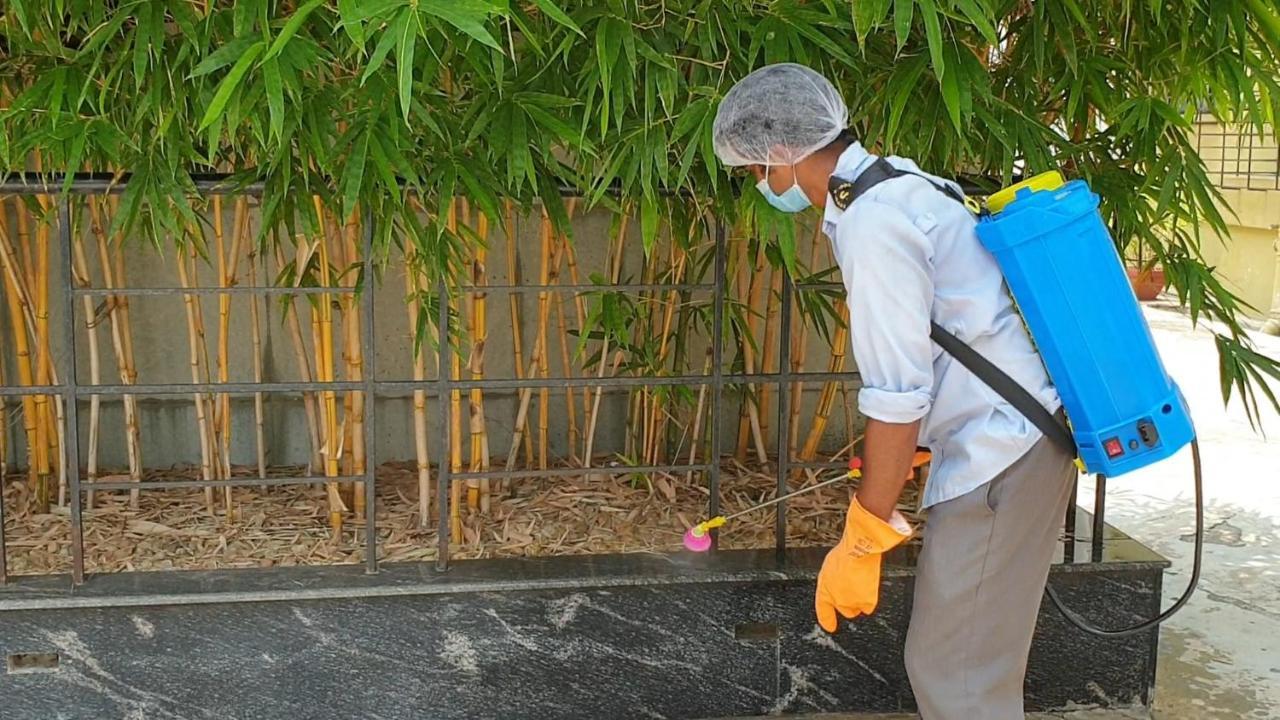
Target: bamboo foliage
x,y
520,99
435,125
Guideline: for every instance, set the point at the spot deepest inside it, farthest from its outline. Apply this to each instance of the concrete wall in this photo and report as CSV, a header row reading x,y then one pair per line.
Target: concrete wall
x,y
1247,171
162,355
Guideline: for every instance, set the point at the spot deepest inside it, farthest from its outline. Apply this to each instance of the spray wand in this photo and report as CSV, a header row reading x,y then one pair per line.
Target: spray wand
x,y
698,537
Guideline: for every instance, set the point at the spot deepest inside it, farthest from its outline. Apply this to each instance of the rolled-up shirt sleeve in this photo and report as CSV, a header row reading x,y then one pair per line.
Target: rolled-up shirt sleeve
x,y
887,266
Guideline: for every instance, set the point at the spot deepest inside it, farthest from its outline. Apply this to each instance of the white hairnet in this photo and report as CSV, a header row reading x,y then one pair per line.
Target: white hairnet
x,y
777,115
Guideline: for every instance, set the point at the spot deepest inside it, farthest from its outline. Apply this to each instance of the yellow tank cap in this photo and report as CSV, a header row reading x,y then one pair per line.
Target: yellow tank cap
x,y
1051,180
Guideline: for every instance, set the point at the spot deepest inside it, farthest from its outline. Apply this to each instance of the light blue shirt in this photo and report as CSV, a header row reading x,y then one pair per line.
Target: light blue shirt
x,y
908,254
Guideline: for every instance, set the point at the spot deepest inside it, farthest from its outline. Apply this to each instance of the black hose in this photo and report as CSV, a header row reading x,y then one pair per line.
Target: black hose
x,y
1075,619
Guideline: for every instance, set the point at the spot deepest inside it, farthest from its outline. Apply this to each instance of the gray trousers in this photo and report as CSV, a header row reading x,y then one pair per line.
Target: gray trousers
x,y
980,579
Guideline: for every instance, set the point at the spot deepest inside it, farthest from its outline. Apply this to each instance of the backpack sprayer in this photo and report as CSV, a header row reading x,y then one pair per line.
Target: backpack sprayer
x,y
1066,279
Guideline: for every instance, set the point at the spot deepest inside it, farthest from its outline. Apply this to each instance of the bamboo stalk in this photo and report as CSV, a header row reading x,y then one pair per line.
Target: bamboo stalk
x,y
696,434
206,374
479,338
222,406
563,247
44,362
413,290
4,419
455,410
799,348
678,261
615,272
836,364
325,373
193,348
771,328
309,399
19,307
745,285
474,429
537,357
580,308
82,278
544,393
123,307
639,399
355,362
119,344
513,300
259,412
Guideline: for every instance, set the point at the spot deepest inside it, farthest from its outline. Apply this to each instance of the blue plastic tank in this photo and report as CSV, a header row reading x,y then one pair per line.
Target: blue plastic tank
x,y
1070,285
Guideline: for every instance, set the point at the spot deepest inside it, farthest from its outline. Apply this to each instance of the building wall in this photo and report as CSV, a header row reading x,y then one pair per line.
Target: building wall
x,y
162,355
1246,169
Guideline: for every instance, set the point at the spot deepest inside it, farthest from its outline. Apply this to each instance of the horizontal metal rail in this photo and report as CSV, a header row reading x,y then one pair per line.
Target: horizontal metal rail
x,y
245,481
307,290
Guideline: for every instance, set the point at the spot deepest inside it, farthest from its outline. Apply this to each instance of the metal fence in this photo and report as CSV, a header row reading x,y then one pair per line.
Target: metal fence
x,y
71,390
1238,156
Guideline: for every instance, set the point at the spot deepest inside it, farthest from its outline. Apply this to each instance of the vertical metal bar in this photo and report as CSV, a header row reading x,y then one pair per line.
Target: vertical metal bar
x,y
370,403
1069,542
717,378
71,433
784,415
443,382
1099,512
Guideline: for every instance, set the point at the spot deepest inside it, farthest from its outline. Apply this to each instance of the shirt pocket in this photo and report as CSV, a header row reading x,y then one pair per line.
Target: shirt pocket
x,y
925,222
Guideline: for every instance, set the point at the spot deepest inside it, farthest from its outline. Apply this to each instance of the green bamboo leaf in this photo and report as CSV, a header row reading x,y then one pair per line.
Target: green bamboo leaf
x,y
933,33
275,96
19,10
74,157
229,84
468,16
357,12
291,27
385,43
648,222
223,56
553,11
902,87
868,15
145,37
353,174
480,193
404,66
902,16
347,13
558,127
981,18
951,95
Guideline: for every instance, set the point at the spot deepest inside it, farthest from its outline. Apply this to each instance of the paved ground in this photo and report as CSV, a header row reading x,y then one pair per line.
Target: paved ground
x,y
1220,656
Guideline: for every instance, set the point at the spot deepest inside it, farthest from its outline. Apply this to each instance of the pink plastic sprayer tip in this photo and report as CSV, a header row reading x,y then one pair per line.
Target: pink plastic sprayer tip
x,y
697,540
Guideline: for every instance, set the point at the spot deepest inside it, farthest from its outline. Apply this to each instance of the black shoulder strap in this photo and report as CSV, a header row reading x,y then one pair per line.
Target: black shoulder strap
x,y
844,192
1006,387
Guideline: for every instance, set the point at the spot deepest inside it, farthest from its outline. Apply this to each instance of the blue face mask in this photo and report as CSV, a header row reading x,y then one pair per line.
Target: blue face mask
x,y
792,201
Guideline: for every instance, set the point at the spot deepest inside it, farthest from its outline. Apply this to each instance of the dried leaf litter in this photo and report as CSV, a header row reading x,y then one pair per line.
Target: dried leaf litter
x,y
288,525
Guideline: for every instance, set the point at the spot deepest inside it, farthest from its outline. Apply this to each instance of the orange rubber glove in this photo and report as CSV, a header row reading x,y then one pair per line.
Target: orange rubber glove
x,y
849,582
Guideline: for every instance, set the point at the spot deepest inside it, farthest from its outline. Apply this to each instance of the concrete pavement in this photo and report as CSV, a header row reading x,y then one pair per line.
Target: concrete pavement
x,y
1220,656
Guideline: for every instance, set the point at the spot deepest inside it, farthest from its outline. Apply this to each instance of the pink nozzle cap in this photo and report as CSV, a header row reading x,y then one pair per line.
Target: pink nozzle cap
x,y
696,542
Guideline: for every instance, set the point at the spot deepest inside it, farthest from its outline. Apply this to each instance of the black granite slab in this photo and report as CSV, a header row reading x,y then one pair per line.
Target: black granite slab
x,y
632,636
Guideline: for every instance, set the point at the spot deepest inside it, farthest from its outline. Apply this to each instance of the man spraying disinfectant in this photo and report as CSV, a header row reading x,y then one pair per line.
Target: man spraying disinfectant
x,y
929,305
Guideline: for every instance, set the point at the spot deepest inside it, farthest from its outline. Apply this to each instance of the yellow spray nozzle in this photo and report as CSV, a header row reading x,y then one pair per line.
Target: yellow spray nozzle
x,y
706,526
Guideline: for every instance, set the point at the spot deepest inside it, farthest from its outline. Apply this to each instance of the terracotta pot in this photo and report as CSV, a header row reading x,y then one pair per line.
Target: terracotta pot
x,y
1147,284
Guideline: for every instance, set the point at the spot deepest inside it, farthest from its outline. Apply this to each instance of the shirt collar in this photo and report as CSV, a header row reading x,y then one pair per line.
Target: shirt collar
x,y
849,166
